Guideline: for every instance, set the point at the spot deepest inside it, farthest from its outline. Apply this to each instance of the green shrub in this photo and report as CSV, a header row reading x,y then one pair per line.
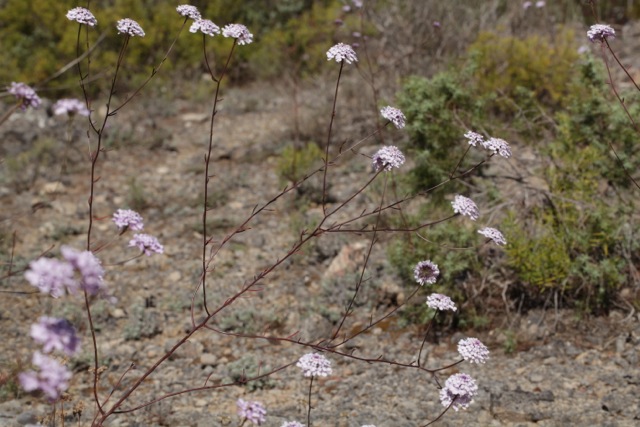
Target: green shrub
x,y
433,108
294,163
510,66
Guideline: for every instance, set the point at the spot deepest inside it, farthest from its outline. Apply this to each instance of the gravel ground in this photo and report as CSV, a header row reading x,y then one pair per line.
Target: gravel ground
x,y
560,370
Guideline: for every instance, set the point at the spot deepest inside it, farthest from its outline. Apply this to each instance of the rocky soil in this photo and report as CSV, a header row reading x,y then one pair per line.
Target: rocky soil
x,y
550,369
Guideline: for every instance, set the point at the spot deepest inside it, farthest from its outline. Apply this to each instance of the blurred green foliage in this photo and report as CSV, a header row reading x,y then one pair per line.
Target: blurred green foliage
x,y
38,40
511,68
294,163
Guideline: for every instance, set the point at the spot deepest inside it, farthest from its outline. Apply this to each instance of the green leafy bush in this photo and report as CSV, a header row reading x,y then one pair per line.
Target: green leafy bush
x,y
433,108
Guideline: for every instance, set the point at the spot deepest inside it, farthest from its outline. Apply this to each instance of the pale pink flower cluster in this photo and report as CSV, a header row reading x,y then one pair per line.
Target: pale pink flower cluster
x,y
189,11
314,365
205,26
493,234
70,107
127,218
387,158
458,391
55,334
441,302
497,145
82,16
600,32
238,32
25,94
254,412
426,272
342,52
146,243
465,206
54,277
52,378
394,115
129,27
472,350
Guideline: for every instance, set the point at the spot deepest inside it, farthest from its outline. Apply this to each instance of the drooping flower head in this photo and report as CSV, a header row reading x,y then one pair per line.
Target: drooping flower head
x,y
205,26
426,272
494,235
70,107
599,32
25,94
147,244
89,267
82,16
55,334
51,276
474,138
253,412
126,218
189,11
473,351
441,302
314,365
394,115
238,32
53,377
499,146
387,158
129,27
458,391
342,52
465,206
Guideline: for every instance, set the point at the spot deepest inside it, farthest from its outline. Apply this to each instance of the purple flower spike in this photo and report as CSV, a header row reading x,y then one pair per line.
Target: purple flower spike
x,y
205,26
440,302
342,52
387,158
465,206
600,32
126,218
314,365
394,115
426,272
473,351
25,94
82,16
52,379
189,11
147,244
129,27
51,276
253,412
55,334
238,32
458,391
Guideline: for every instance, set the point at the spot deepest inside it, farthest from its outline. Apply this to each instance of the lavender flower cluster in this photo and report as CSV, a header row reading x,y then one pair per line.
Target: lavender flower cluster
x,y
25,95
80,270
496,145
